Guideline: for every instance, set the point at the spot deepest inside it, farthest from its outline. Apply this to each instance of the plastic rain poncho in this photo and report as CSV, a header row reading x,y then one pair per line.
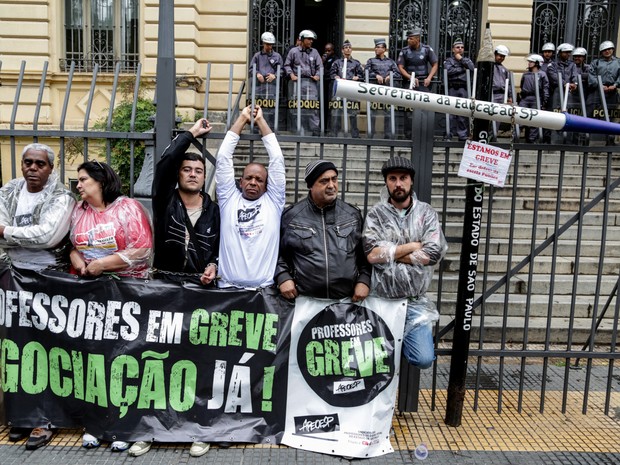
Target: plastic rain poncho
x,y
386,228
123,228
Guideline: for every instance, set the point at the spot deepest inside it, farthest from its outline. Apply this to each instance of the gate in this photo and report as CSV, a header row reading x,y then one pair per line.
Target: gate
x,y
547,310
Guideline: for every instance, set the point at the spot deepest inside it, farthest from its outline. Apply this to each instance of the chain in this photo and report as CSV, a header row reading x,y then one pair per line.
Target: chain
x,y
471,118
114,275
513,126
175,273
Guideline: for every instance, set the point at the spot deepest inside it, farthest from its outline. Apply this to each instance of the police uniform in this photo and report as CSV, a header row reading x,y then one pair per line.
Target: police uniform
x,y
610,75
415,61
457,87
354,69
547,106
327,86
528,97
383,67
266,63
310,64
568,71
500,74
583,71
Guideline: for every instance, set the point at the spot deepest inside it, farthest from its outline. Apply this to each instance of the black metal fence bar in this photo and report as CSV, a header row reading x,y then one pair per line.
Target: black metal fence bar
x,y
108,146
132,127
20,82
530,275
37,109
89,106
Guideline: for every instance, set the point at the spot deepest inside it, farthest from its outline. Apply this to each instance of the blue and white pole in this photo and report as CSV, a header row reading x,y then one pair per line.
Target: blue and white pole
x,y
500,112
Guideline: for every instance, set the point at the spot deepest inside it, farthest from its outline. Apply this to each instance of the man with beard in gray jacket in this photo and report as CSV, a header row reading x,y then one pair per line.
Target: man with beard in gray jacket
x,y
403,241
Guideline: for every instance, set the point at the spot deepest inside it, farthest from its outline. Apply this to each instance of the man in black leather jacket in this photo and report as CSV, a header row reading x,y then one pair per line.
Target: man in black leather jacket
x,y
321,252
187,221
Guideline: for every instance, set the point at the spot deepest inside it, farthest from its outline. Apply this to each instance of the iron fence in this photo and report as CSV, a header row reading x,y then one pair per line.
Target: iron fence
x,y
548,277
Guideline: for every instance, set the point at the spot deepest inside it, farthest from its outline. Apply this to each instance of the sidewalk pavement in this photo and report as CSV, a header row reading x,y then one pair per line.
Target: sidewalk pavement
x,y
484,437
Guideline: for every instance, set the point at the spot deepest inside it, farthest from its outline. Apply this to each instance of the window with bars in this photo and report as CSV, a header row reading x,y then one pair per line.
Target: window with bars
x,y
102,32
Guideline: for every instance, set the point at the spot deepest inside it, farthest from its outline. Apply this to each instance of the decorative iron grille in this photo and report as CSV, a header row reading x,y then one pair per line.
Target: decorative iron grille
x,y
273,16
404,16
459,20
455,18
549,23
594,22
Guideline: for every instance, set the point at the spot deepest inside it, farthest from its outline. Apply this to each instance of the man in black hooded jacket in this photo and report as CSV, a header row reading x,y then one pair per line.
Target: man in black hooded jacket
x,y
186,220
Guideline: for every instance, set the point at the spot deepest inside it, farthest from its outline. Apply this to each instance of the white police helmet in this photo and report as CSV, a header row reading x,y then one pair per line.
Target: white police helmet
x,y
580,52
549,46
268,38
536,58
566,47
307,34
502,50
606,45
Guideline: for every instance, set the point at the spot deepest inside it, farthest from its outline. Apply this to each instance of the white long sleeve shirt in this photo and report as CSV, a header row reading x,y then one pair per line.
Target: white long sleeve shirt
x,y
250,229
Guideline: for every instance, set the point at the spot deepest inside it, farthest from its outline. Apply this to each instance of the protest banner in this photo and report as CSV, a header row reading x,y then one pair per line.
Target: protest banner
x,y
344,365
143,360
160,361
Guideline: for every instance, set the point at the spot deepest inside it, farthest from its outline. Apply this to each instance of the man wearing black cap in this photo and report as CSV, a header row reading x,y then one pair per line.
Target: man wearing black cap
x,y
413,62
353,72
415,58
403,241
382,70
457,68
321,253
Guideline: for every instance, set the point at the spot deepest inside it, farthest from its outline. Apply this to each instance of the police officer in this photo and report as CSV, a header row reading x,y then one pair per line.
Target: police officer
x,y
354,72
381,69
547,52
608,68
267,62
329,57
527,97
583,69
500,74
457,68
564,67
416,58
309,61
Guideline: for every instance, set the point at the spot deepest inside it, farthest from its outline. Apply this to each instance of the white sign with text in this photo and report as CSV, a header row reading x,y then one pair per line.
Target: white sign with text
x,y
485,163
